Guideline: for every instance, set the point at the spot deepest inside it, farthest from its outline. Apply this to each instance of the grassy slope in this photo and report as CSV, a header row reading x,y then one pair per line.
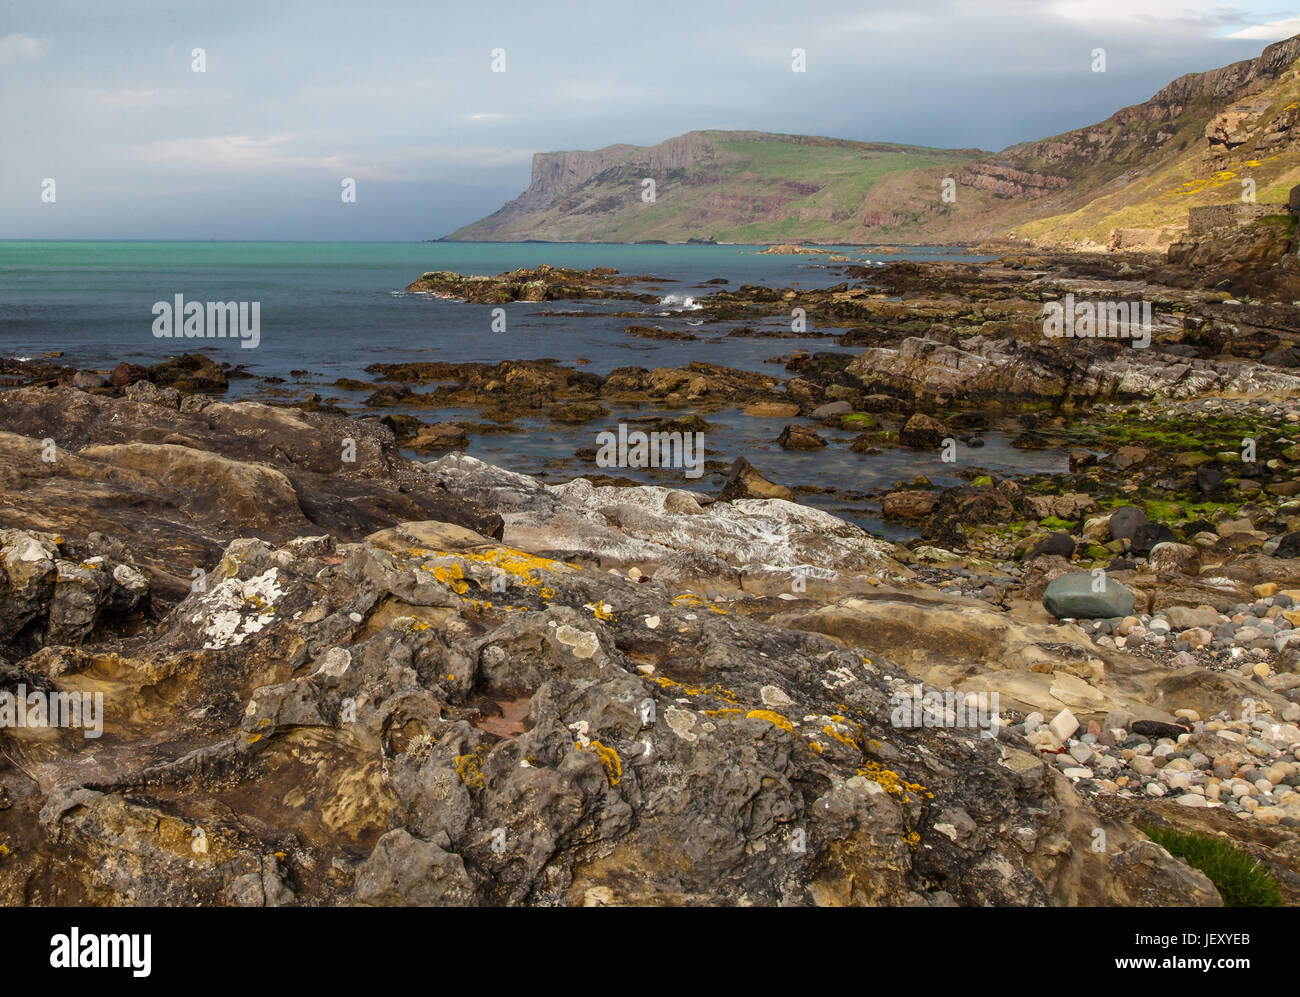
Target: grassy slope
x,y
755,191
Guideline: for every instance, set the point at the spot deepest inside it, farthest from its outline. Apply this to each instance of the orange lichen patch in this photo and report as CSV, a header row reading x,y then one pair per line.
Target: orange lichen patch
x,y
725,712
470,769
280,855
775,719
4,850
844,739
452,577
716,691
892,783
912,838
419,624
602,611
608,759
695,602
252,738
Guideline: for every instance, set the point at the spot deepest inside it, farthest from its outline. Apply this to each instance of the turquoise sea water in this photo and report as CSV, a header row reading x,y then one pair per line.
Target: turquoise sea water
x,y
330,309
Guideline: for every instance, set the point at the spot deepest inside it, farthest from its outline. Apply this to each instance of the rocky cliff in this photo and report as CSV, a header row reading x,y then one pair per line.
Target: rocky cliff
x,y
1141,168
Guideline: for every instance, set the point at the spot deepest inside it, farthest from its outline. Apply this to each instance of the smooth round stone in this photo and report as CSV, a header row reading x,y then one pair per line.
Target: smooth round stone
x,y
1158,626
1190,800
1155,789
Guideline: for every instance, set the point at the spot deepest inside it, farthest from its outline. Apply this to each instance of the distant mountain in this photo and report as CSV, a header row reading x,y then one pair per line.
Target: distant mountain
x,y
1140,169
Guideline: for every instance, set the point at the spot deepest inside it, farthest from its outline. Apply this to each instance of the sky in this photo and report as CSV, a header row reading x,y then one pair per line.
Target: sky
x,y
402,98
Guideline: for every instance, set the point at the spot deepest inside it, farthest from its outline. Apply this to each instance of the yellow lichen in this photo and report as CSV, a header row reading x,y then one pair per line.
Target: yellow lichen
x,y
452,577
695,602
695,690
844,739
891,782
609,760
470,771
775,719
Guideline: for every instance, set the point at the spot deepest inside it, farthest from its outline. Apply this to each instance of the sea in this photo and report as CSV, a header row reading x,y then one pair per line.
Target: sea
x,y
328,310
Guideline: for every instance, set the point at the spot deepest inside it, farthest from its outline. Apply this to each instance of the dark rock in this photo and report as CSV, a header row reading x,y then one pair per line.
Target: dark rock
x,y
127,373
1124,520
744,481
1156,729
796,437
923,432
1147,535
1288,546
1210,480
1061,544
190,372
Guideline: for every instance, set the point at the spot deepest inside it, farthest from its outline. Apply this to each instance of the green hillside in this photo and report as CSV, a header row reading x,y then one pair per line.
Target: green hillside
x,y
1140,170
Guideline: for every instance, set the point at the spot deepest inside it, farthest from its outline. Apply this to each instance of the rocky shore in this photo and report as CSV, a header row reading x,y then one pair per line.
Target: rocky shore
x,y
332,673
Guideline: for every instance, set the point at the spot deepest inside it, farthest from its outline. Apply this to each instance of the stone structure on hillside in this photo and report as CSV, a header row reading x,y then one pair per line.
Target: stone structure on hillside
x,y
1140,239
1217,216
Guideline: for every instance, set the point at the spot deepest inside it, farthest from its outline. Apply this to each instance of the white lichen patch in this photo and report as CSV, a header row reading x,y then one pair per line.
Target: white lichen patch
x,y
583,643
681,722
774,695
237,609
334,662
838,678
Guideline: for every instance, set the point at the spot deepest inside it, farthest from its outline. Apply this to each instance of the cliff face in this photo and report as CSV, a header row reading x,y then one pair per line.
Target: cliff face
x,y
1140,168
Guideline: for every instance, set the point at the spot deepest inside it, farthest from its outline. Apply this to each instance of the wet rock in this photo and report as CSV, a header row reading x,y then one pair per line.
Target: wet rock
x,y
909,504
439,436
796,437
831,409
744,481
923,432
127,373
772,410
188,373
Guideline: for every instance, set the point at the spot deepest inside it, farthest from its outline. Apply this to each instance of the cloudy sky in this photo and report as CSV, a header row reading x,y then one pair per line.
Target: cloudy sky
x,y
296,96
